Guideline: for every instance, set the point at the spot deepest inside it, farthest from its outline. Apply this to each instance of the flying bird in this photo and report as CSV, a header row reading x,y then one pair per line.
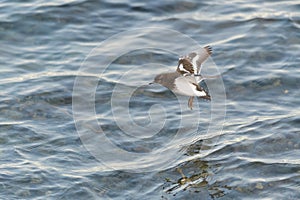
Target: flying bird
x,y
185,80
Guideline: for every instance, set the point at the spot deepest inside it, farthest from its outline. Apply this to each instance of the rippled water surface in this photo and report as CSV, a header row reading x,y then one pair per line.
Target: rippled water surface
x,y
49,138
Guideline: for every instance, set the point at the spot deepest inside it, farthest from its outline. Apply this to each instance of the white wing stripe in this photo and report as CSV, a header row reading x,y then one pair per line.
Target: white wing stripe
x,y
194,62
181,68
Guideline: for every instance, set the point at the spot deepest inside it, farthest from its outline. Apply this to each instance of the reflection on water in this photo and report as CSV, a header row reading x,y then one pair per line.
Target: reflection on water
x,y
199,181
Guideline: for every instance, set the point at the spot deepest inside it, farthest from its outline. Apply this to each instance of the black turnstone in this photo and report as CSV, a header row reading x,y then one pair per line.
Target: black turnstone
x,y
185,80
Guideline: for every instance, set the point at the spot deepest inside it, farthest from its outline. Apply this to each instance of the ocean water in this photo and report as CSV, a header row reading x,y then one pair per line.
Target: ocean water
x,y
79,119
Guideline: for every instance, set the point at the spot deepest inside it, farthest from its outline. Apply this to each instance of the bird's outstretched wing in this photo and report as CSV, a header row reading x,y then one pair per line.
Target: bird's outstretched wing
x,y
191,63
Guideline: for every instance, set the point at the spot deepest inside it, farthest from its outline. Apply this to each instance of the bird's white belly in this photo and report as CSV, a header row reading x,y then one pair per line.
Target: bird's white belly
x,y
184,86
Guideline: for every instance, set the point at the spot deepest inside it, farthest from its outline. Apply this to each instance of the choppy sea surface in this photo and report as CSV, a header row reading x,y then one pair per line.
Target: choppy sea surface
x,y
141,141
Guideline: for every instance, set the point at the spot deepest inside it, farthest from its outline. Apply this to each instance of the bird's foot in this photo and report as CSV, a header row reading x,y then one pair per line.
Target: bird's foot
x,y
190,103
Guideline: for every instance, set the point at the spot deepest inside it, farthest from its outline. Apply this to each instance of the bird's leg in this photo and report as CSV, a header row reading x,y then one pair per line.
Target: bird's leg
x,y
190,103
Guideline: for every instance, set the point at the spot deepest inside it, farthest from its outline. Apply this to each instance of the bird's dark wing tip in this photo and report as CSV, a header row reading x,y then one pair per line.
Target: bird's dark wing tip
x,y
208,49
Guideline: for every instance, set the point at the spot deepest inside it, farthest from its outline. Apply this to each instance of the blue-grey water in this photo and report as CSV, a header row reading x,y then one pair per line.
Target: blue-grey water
x,y
256,47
